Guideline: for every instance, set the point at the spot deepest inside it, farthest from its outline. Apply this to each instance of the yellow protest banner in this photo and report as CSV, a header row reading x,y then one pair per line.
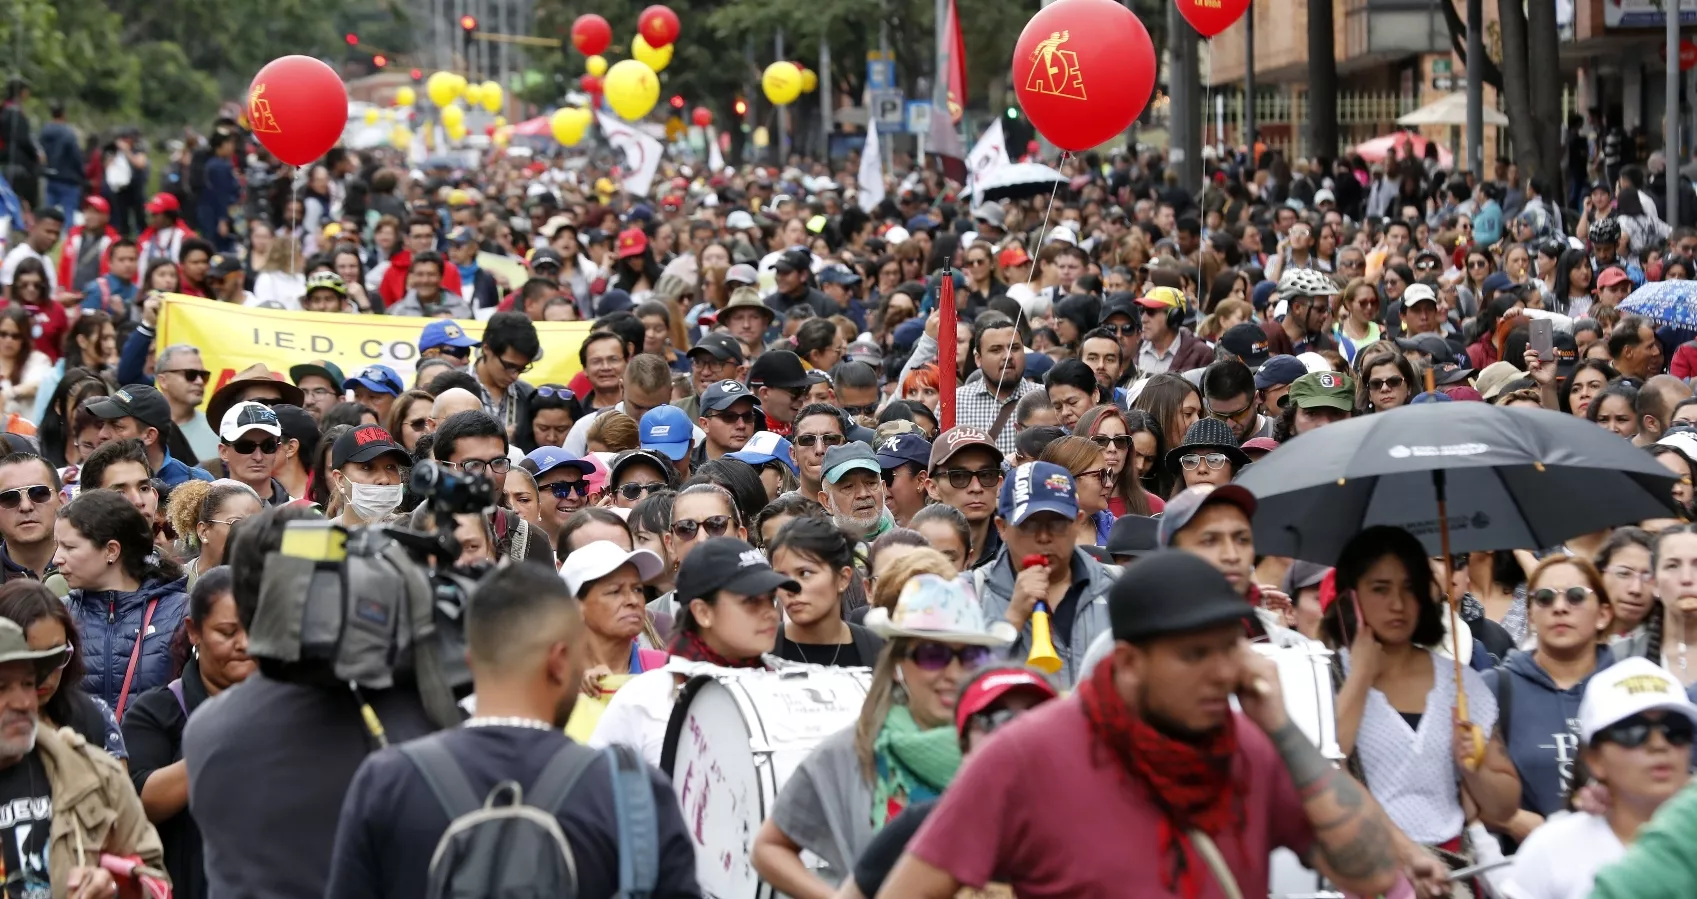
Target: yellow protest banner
x,y
232,338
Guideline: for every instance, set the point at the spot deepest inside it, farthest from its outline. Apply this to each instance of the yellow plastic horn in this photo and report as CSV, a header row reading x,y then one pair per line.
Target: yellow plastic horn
x,y
1043,656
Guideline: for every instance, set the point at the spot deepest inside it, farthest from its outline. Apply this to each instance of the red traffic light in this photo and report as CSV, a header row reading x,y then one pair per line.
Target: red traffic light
x,y
417,74
352,39
741,106
380,60
468,23
677,101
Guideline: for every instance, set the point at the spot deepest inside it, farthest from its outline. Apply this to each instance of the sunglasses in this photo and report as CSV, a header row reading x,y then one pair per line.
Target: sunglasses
x,y
856,411
732,418
1118,329
38,494
191,375
1192,461
638,491
1635,731
714,525
960,477
458,352
1575,596
555,392
421,424
563,489
1105,476
1121,442
936,656
810,440
1391,383
988,722
247,447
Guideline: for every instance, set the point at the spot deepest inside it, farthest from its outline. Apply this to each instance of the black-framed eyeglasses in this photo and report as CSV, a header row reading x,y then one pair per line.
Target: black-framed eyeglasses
x,y
38,494
1545,597
635,491
808,441
1193,461
514,368
714,525
191,375
1635,731
960,477
248,447
498,465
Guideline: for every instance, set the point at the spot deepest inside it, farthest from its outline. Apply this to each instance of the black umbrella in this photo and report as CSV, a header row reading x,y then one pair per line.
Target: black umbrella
x,y
1513,479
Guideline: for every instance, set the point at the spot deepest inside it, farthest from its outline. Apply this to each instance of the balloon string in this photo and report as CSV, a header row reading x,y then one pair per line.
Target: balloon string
x,y
1207,114
295,223
1048,209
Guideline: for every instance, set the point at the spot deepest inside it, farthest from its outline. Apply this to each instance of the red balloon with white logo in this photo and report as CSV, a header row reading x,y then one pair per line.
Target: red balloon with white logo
x,y
297,107
1083,70
658,25
1210,17
591,34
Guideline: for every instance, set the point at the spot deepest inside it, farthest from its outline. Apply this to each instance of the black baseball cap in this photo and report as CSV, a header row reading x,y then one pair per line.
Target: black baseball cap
x,y
1172,592
1133,536
726,563
545,256
298,424
794,260
722,347
1249,343
364,444
779,368
138,401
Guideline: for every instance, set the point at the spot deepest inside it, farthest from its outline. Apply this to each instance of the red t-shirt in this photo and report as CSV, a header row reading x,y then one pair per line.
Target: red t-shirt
x,y
50,325
1116,505
1036,809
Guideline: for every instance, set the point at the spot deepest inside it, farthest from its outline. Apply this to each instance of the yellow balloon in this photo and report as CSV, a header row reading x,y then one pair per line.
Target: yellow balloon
x,y
656,58
762,137
631,88
453,116
456,132
569,124
500,121
371,116
405,95
781,82
809,81
459,83
595,65
442,88
500,139
400,137
473,95
492,97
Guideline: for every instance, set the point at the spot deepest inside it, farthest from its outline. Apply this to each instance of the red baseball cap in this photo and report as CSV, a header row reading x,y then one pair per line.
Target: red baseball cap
x,y
163,202
97,202
1013,255
632,242
1611,276
992,684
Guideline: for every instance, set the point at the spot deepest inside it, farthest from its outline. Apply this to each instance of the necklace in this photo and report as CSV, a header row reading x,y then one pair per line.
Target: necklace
x,y
508,721
803,653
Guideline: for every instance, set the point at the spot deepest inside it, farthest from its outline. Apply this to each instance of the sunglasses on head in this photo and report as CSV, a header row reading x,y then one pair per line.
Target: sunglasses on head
x,y
714,525
38,494
810,440
1635,731
555,392
247,447
936,656
1545,597
638,491
563,489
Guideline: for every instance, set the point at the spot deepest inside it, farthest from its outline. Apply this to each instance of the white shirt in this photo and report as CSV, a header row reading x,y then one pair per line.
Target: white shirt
x,y
637,714
277,290
1560,860
16,257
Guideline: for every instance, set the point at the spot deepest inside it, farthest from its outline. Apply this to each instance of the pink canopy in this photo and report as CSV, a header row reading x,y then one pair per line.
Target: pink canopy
x,y
537,127
1377,149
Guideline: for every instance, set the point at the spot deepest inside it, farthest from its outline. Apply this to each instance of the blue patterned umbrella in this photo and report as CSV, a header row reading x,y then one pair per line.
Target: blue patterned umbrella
x,y
1665,303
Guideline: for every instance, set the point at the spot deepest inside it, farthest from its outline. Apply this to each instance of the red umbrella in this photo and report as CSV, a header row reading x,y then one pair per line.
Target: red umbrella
x,y
537,127
1377,149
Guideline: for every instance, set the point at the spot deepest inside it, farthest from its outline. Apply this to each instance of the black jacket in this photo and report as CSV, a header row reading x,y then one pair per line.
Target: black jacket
x,y
822,304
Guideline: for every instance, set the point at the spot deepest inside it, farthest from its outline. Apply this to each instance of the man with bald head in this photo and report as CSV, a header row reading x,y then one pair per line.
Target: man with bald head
x,y
1655,406
455,399
528,651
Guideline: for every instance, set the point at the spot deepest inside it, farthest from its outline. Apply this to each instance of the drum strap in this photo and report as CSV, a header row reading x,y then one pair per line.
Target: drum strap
x,y
1216,863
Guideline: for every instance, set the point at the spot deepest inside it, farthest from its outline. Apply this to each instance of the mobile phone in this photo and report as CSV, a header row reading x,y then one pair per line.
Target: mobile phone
x,y
1541,338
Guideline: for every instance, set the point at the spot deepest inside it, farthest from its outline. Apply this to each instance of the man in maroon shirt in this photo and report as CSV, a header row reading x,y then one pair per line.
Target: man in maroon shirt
x,y
1110,792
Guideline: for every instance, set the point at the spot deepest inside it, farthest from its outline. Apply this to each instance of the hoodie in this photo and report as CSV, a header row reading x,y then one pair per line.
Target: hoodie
x,y
111,625
1540,726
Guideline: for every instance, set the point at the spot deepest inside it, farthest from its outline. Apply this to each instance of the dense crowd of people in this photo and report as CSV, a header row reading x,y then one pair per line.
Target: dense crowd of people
x,y
753,470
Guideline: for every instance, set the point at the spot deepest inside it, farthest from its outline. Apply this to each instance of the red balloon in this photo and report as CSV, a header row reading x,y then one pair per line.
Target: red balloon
x,y
1080,90
297,107
658,25
591,34
702,116
590,84
1210,17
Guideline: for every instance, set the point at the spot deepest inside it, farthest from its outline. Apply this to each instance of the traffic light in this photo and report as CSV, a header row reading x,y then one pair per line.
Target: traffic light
x,y
417,74
741,107
1013,112
468,24
352,39
677,101
379,60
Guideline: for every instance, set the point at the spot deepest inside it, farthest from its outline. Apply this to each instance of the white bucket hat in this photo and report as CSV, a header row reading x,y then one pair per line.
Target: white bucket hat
x,y
932,608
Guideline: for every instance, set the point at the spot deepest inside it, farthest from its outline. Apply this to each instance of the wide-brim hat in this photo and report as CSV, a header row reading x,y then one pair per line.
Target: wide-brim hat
x,y
933,608
226,396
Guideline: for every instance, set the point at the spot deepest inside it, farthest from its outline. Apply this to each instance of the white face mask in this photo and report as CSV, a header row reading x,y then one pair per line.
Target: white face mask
x,y
373,501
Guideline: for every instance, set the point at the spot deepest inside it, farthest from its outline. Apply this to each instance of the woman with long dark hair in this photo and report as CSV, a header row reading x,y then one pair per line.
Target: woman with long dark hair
x,y
1109,428
1629,579
56,433
1571,294
635,271
48,625
22,366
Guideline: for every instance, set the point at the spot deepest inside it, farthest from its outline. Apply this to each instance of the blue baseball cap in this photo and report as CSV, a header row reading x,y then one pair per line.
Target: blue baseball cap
x,y
377,379
840,460
666,430
765,447
1037,487
544,459
445,333
1278,371
903,449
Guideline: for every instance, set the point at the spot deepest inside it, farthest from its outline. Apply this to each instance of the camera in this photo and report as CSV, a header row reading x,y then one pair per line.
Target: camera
x,y
376,606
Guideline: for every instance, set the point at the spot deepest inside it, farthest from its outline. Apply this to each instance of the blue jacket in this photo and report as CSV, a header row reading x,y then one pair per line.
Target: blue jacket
x,y
109,622
173,472
218,193
1540,728
64,153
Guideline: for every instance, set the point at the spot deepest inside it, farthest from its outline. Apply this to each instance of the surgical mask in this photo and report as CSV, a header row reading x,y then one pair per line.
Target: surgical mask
x,y
371,502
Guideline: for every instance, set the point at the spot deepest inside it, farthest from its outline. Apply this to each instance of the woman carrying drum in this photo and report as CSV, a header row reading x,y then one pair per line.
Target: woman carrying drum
x,y
902,750
1396,709
727,616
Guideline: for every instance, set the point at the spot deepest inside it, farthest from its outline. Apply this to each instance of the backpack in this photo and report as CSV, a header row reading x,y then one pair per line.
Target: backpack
x,y
510,844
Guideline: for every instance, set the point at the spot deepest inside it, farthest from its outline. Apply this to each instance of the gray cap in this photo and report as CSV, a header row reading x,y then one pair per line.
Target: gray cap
x,y
14,648
840,460
1301,575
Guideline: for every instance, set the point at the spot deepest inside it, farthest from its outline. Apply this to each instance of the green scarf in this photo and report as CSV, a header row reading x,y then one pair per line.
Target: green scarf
x,y
912,765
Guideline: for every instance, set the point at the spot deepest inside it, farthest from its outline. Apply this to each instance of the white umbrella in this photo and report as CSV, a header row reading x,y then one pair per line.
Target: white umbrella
x,y
1450,109
1012,182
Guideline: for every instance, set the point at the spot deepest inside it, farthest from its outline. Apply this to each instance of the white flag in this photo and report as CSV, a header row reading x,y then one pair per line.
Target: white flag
x,y
642,153
870,179
715,160
989,154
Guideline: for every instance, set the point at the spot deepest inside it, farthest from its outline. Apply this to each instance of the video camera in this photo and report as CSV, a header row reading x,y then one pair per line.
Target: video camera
x,y
372,607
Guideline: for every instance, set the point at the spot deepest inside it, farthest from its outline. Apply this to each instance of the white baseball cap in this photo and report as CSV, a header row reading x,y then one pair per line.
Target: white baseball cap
x,y
1626,688
594,561
1418,293
1061,234
739,220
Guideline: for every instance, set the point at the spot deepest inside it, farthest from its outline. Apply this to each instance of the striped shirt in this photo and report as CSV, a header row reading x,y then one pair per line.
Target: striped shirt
x,y
977,407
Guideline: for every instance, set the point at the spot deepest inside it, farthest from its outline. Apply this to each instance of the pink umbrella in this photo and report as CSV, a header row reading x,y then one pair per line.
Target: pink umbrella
x,y
1377,149
537,127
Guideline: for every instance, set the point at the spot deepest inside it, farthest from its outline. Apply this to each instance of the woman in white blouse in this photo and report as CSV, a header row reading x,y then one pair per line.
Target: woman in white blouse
x,y
1396,709
22,366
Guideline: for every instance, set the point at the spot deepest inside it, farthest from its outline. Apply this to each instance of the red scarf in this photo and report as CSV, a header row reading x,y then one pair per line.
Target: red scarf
x,y
692,647
1190,782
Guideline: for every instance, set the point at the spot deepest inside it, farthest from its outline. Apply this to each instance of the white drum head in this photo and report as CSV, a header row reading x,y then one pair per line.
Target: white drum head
x,y
712,768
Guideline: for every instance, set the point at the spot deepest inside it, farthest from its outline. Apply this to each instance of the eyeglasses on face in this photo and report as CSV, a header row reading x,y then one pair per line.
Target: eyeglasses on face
x,y
38,494
1118,329
248,447
1635,731
936,656
635,492
960,477
192,375
563,489
1624,573
1546,597
808,441
515,368
1391,383
865,409
1192,461
1121,442
1103,475
732,418
457,352
498,465
714,525
1229,414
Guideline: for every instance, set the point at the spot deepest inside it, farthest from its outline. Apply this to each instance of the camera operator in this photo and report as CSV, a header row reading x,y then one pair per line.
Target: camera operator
x,y
472,443
270,759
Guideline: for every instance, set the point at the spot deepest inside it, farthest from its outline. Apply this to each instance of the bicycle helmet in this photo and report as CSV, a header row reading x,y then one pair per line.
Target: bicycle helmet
x,y
1305,282
1605,231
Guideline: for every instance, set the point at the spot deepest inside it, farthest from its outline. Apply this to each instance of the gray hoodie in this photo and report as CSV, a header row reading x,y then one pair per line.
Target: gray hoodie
x,y
994,584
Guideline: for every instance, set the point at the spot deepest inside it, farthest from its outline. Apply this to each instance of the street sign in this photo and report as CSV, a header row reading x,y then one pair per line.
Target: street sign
x,y
887,109
880,72
919,117
1441,66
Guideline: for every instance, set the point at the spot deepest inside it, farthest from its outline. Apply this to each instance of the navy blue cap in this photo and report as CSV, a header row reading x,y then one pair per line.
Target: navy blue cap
x,y
377,379
612,301
838,274
544,459
921,223
1037,364
721,394
1037,487
443,332
1496,281
903,449
1435,396
1278,371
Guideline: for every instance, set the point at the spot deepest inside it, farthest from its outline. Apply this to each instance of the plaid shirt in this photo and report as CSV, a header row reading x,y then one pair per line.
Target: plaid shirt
x,y
977,407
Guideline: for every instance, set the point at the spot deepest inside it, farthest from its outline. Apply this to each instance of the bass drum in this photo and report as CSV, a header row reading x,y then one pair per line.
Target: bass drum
x,y
732,742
